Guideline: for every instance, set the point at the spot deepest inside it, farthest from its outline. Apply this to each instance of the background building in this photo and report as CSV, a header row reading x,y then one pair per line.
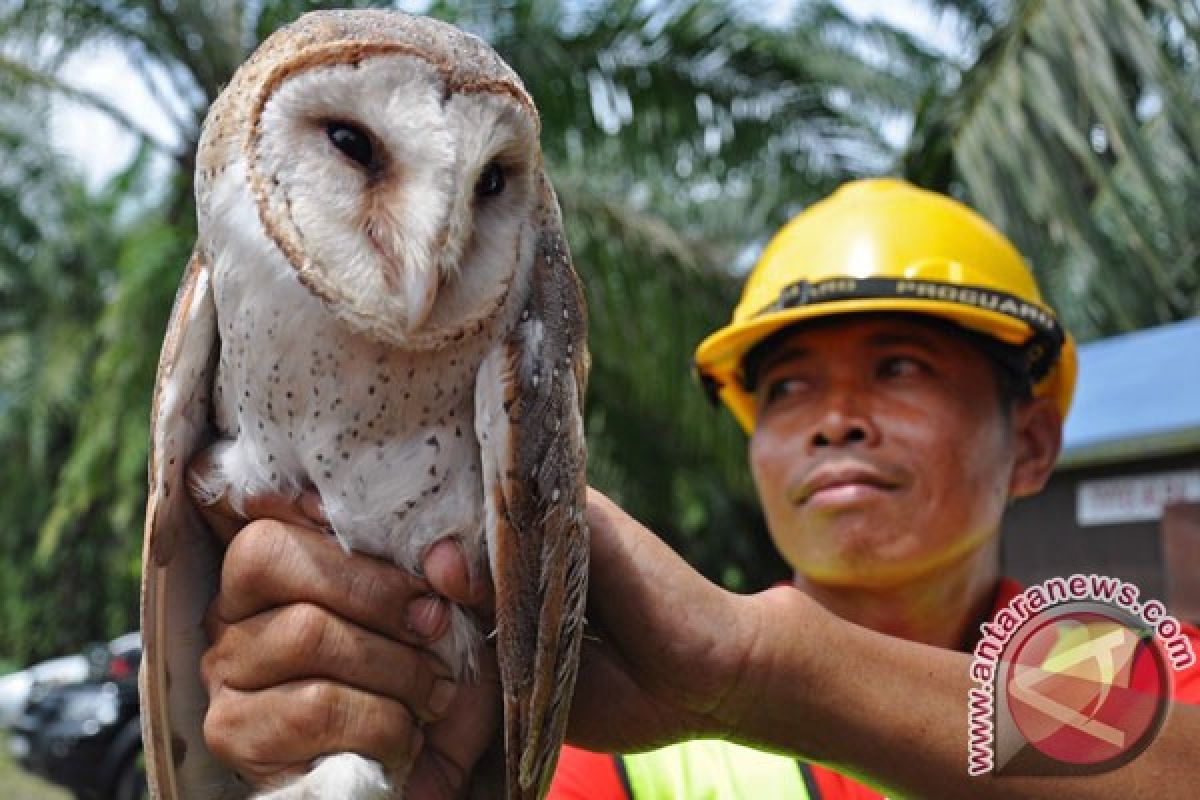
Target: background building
x,y
1125,498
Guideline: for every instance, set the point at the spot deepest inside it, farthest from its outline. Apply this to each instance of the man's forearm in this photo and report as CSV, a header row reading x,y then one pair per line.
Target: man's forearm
x,y
894,712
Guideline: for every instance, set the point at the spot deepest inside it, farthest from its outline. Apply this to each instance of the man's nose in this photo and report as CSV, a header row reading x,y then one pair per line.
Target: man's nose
x,y
843,423
838,430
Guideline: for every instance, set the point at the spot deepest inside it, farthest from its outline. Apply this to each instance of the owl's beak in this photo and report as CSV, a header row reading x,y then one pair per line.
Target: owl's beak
x,y
420,290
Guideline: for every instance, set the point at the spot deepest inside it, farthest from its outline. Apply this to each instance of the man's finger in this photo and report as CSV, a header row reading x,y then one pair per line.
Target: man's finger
x,y
225,521
454,745
272,564
449,573
279,731
307,642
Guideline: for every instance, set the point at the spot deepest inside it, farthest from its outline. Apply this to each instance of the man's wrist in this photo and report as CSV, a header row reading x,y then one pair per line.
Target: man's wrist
x,y
780,630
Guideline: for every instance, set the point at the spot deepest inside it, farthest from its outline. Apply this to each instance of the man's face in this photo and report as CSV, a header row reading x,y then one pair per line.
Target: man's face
x,y
881,450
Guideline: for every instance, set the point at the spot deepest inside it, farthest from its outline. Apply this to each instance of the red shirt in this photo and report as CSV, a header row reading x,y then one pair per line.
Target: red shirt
x,y
584,775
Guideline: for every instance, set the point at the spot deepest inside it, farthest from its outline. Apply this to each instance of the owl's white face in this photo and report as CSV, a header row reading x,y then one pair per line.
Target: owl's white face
x,y
407,204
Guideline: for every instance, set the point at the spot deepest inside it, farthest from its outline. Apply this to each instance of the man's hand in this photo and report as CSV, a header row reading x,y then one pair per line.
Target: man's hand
x,y
316,651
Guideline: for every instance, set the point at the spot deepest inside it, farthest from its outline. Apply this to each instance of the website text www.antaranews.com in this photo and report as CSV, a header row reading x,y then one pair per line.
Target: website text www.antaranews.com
x,y
1037,602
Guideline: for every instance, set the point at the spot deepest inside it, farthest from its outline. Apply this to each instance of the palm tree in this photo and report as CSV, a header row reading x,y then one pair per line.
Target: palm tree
x,y
1077,131
678,135
61,271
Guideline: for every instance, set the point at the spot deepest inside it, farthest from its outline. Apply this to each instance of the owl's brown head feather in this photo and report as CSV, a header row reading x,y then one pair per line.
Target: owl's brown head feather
x,y
365,139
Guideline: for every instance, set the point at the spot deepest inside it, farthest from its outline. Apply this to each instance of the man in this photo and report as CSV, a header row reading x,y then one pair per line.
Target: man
x,y
901,382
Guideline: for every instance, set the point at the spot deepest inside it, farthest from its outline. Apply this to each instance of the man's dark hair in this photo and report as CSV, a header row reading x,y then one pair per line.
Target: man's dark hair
x,y
1013,385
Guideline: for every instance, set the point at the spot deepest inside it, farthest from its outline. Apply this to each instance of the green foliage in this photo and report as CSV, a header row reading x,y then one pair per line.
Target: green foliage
x,y
82,308
1077,132
678,133
676,136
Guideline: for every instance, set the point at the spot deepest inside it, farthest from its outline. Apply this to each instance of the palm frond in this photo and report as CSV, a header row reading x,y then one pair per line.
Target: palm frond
x,y
1078,135
16,72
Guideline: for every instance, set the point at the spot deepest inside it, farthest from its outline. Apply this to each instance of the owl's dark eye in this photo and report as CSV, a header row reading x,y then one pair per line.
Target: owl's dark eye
x,y
353,141
491,181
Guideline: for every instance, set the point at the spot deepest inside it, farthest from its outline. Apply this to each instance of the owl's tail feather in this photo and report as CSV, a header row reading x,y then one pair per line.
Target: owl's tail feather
x,y
560,629
539,626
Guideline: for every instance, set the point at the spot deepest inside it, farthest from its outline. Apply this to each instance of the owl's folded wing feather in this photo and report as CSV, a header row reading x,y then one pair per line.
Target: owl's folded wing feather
x,y
529,423
180,560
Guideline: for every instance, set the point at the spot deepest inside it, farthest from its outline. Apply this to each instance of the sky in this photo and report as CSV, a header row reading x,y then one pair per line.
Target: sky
x,y
90,137
101,147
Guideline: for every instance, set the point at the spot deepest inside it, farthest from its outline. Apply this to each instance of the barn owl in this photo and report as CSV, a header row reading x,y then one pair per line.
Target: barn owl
x,y
380,305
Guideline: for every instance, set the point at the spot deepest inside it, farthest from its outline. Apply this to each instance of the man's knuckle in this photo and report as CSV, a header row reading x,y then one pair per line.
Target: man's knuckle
x,y
319,713
219,723
309,629
254,555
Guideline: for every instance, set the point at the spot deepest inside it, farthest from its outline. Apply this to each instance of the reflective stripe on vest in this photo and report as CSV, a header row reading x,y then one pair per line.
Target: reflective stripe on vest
x,y
712,769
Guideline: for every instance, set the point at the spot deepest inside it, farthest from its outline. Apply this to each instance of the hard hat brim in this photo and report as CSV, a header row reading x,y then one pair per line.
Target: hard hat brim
x,y
719,356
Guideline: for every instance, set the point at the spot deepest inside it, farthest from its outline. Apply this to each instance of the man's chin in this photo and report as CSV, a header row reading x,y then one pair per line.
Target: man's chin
x,y
868,577
869,569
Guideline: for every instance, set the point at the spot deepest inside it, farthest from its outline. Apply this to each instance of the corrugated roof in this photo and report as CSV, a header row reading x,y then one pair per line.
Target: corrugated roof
x,y
1138,396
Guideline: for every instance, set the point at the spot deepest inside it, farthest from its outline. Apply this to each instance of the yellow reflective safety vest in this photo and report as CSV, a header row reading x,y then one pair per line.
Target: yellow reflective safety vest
x,y
713,769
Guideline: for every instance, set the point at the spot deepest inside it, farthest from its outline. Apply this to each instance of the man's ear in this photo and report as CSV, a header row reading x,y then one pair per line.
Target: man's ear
x,y
1037,435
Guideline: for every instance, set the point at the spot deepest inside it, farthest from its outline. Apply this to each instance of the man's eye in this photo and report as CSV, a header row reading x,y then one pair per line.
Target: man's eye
x,y
779,389
900,367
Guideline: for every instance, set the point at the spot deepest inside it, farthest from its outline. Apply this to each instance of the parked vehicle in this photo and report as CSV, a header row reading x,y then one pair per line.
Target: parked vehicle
x,y
87,736
16,688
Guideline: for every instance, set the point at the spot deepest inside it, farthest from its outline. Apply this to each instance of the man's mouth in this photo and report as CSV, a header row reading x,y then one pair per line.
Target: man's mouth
x,y
842,484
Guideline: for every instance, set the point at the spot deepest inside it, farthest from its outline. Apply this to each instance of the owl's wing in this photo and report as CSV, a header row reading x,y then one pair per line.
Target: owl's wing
x,y
529,421
180,559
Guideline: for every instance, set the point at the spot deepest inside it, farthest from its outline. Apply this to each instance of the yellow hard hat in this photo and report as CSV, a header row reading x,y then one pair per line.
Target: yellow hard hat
x,y
884,245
